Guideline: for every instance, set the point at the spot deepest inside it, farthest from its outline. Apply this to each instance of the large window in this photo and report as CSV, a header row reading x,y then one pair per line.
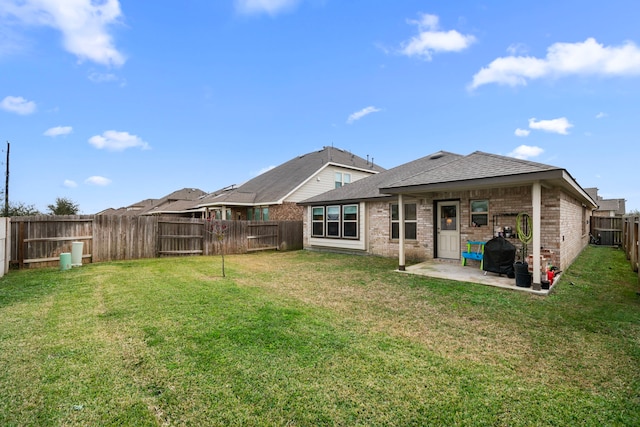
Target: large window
x,y
258,214
479,213
350,221
317,221
218,214
410,222
342,179
335,221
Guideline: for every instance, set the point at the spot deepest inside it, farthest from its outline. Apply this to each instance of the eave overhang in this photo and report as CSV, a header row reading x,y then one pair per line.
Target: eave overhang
x,y
550,178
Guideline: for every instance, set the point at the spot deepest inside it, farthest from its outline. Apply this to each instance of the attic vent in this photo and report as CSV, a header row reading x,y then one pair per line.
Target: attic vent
x,y
436,156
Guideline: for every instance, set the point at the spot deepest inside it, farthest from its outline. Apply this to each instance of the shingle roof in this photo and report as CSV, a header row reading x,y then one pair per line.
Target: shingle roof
x,y
449,170
476,165
369,187
149,206
614,205
275,184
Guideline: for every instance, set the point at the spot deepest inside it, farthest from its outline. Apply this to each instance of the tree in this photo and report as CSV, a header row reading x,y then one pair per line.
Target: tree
x,y
63,206
218,230
20,209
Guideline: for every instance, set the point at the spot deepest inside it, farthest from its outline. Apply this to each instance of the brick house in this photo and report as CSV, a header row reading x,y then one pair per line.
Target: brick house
x,y
273,195
607,207
429,208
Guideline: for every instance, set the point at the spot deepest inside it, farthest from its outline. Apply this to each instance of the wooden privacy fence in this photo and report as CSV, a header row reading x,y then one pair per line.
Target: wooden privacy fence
x,y
631,241
607,229
38,241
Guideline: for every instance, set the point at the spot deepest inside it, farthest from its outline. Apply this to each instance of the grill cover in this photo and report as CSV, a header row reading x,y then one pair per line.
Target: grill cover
x,y
499,256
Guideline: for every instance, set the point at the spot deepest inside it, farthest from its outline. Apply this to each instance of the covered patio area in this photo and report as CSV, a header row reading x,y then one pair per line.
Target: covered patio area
x,y
471,274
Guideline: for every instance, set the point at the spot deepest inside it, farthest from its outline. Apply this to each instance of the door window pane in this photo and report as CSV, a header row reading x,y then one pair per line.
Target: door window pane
x,y
448,218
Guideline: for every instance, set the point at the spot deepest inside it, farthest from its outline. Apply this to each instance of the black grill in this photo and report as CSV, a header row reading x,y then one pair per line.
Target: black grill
x,y
499,256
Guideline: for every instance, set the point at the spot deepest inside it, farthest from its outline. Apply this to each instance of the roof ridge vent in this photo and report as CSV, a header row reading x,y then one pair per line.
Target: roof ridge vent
x,y
436,156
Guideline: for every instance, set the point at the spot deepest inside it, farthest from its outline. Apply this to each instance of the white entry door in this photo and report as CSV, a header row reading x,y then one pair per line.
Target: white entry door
x,y
448,230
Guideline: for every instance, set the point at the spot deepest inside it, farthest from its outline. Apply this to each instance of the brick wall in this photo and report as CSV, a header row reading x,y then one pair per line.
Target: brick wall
x,y
380,228
561,231
574,229
288,211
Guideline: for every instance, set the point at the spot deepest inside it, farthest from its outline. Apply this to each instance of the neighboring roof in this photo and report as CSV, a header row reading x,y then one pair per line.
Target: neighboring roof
x,y
617,206
179,206
111,211
480,169
369,187
276,184
150,206
184,194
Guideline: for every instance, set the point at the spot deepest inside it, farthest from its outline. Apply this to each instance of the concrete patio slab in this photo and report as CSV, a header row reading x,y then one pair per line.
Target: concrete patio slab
x,y
469,273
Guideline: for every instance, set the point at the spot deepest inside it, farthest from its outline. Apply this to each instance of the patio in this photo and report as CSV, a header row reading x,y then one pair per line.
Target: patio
x,y
470,273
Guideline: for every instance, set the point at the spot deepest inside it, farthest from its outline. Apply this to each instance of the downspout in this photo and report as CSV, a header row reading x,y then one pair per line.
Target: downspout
x,y
401,262
536,203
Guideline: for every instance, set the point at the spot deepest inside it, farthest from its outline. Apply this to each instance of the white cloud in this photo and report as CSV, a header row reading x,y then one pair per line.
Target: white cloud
x,y
97,180
526,152
102,77
69,183
522,132
271,7
117,141
517,49
84,24
563,59
18,105
360,114
601,115
560,125
431,40
58,130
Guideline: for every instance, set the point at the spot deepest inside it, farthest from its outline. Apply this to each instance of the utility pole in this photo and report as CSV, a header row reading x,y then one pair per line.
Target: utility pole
x,y
6,186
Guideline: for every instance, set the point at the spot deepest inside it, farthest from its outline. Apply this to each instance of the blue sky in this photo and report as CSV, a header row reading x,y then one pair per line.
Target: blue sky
x,y
111,102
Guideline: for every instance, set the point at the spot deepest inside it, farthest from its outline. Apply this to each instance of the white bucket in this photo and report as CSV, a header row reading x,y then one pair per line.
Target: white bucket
x,y
76,254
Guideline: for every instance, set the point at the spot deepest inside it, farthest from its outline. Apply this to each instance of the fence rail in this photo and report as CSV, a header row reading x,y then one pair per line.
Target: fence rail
x,y
607,229
38,241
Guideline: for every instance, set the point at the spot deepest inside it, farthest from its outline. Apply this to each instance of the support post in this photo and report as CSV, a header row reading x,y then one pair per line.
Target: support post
x,y
536,202
401,261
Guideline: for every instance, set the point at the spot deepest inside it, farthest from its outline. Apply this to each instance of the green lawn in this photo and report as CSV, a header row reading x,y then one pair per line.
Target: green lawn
x,y
307,339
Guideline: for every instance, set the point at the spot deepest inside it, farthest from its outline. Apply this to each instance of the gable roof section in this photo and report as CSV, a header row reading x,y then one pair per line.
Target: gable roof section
x,y
480,169
369,188
151,206
476,166
276,184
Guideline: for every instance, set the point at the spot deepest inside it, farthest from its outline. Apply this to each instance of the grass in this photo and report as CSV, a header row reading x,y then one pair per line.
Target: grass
x,y
304,338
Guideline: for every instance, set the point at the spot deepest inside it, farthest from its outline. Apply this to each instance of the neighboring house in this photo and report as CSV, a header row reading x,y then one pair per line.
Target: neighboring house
x,y
607,207
448,199
184,197
273,195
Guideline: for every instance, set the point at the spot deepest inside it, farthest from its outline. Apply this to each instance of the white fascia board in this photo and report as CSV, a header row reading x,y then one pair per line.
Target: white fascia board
x,y
572,182
231,204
